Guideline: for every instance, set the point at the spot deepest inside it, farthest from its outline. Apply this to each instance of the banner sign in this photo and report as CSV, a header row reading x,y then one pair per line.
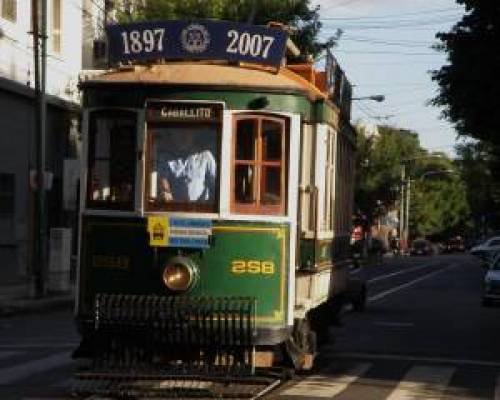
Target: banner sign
x,y
200,40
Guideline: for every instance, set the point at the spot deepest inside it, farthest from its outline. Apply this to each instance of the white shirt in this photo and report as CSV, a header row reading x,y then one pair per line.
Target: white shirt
x,y
191,178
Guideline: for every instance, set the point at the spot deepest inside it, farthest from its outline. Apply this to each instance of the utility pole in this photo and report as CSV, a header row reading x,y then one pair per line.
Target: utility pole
x,y
402,208
407,230
39,22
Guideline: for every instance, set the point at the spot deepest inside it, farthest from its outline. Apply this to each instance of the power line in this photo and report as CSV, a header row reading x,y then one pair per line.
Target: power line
x,y
409,42
401,53
383,20
385,43
426,12
345,3
413,24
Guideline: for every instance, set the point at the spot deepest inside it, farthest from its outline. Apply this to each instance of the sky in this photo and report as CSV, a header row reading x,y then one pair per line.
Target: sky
x,y
385,49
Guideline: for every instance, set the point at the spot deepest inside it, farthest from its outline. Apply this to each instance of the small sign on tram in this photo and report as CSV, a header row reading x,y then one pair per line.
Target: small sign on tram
x,y
158,231
174,111
179,232
200,40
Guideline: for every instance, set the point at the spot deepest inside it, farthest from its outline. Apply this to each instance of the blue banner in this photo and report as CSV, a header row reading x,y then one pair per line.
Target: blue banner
x,y
196,40
177,222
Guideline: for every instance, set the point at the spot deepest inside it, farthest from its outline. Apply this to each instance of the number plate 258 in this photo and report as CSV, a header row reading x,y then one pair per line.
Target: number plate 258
x,y
253,267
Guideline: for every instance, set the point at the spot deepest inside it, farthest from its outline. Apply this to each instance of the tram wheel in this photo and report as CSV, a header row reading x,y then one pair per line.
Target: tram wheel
x,y
301,347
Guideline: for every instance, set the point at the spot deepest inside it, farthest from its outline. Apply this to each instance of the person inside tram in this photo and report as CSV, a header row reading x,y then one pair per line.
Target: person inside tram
x,y
186,167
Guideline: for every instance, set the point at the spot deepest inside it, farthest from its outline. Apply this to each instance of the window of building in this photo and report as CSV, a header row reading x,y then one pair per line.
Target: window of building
x,y
56,26
7,193
259,165
112,160
9,10
183,166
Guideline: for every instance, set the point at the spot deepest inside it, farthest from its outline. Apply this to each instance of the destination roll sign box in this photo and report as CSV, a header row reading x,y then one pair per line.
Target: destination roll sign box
x,y
196,40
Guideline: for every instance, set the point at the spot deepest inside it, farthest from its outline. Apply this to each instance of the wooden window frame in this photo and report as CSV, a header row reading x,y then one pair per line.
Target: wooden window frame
x,y
56,26
257,208
103,204
174,206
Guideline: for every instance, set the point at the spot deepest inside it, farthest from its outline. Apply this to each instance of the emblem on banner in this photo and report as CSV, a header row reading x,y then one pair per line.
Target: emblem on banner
x,y
195,38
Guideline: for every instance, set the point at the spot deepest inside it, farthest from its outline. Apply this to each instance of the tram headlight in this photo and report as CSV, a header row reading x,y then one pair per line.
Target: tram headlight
x,y
180,274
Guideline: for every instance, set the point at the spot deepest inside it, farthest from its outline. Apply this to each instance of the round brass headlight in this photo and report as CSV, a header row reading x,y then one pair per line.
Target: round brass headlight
x,y
179,274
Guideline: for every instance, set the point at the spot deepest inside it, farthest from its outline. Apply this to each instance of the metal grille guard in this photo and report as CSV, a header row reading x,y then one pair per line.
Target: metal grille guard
x,y
180,335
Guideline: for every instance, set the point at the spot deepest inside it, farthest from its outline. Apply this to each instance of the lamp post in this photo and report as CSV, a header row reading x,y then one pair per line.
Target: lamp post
x,y
377,97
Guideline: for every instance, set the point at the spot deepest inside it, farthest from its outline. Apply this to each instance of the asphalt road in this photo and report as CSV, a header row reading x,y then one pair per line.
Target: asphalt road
x,y
424,335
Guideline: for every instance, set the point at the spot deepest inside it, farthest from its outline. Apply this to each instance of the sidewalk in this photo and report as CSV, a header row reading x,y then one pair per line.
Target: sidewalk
x,y
16,290
15,300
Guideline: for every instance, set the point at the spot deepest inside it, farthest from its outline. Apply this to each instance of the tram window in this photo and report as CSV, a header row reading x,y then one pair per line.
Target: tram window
x,y
244,189
112,152
182,167
259,165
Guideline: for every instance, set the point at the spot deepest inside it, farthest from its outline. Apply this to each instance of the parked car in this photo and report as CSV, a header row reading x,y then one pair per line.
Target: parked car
x,y
455,244
487,248
421,247
491,291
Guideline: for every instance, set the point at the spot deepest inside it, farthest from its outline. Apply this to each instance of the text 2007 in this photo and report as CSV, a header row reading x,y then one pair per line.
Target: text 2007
x,y
247,44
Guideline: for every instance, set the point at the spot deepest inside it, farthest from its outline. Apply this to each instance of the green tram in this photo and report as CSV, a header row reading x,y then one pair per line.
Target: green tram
x,y
216,207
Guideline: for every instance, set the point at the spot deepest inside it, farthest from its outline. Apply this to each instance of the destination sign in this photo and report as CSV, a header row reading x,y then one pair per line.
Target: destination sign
x,y
200,40
163,111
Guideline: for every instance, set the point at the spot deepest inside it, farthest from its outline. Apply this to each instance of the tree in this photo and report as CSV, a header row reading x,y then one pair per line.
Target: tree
x,y
439,206
477,166
438,198
378,170
302,18
468,85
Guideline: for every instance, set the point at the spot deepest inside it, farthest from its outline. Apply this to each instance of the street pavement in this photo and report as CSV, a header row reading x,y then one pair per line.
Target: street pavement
x,y
424,335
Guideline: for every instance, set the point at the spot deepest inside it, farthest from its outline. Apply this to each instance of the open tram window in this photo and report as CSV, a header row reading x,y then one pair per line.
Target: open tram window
x,y
182,172
112,155
259,177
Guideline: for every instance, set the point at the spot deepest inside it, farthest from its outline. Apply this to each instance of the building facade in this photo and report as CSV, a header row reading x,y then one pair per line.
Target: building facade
x,y
65,27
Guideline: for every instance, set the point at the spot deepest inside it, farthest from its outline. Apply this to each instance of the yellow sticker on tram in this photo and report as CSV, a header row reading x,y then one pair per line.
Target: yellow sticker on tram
x,y
158,231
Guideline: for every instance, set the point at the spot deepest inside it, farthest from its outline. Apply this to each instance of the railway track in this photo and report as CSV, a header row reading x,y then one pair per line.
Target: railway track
x,y
107,386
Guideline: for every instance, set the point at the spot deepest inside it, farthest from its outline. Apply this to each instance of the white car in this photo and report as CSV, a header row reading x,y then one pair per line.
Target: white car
x,y
487,248
492,282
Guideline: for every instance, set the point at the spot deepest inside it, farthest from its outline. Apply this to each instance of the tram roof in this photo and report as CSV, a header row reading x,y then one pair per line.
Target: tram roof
x,y
204,74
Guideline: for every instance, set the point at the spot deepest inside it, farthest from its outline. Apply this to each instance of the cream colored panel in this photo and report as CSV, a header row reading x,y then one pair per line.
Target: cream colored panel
x,y
306,175
319,171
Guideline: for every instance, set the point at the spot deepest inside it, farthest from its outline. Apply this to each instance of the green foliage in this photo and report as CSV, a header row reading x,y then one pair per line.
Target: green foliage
x,y
378,172
438,206
468,84
478,167
298,14
438,201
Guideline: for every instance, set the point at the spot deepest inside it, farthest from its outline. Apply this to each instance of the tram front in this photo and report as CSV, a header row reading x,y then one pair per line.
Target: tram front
x,y
189,203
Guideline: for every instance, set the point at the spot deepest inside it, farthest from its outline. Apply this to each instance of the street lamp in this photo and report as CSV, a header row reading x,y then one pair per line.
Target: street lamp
x,y
378,97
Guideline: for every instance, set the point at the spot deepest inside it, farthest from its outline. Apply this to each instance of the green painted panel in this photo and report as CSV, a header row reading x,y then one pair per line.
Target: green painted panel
x,y
249,260
244,259
136,97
